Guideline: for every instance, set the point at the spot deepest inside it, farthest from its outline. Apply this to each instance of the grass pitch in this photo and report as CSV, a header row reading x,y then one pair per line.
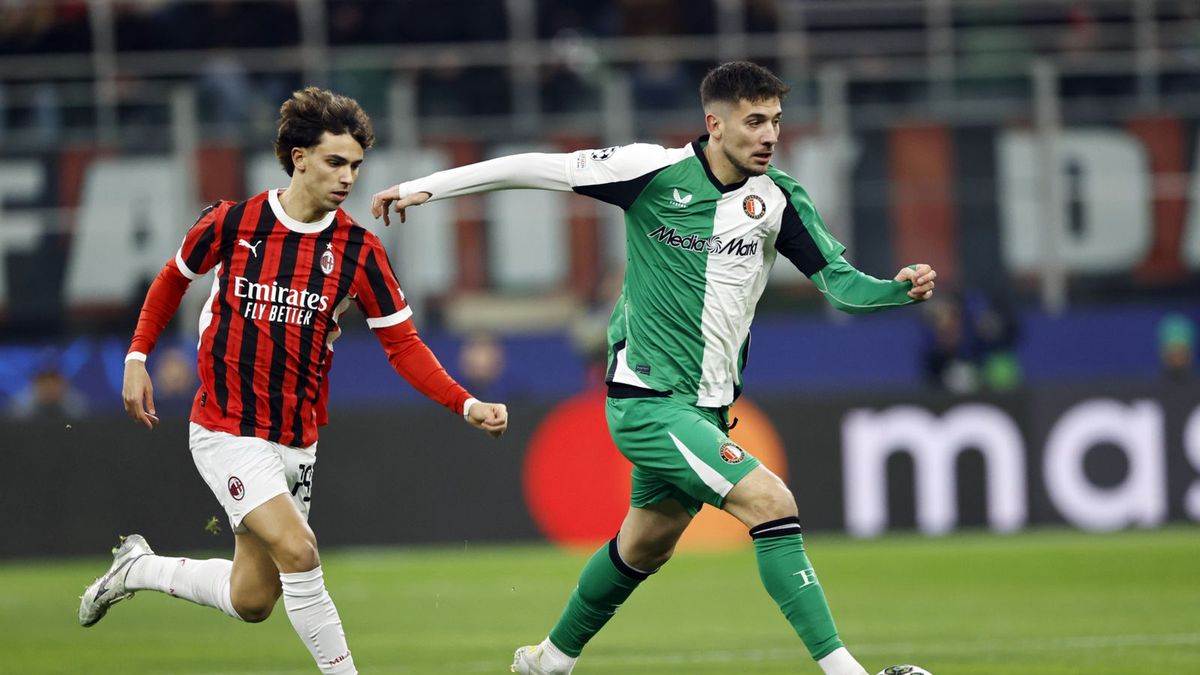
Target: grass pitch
x,y
1040,603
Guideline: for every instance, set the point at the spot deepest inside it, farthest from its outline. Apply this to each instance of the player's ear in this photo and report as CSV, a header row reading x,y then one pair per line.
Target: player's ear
x,y
298,157
713,124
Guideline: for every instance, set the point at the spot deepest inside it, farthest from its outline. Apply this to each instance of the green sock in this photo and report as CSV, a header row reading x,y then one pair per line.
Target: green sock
x,y
791,582
603,585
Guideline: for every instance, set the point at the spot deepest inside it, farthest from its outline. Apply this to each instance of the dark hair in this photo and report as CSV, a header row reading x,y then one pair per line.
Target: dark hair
x,y
741,80
311,112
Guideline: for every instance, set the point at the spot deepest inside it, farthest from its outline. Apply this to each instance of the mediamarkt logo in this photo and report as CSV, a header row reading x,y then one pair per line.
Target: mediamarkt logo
x,y
278,303
713,244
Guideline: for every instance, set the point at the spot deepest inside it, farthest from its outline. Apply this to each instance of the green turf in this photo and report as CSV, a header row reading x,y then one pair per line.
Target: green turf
x,y
1041,603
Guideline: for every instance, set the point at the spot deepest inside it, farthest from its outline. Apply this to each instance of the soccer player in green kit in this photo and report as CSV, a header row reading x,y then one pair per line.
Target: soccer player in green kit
x,y
704,224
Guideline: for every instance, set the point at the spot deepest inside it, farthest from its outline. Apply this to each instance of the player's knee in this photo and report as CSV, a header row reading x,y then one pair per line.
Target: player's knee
x,y
773,501
779,503
256,607
254,614
655,558
296,554
650,556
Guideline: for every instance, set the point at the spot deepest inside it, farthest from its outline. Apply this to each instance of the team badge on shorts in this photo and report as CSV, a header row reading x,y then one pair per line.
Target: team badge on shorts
x,y
731,453
236,489
327,259
754,206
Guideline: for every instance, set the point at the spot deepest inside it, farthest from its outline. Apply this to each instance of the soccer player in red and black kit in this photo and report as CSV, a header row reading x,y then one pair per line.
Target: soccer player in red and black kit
x,y
287,264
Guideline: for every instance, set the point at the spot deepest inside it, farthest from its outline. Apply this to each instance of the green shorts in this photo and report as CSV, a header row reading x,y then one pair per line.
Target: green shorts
x,y
678,451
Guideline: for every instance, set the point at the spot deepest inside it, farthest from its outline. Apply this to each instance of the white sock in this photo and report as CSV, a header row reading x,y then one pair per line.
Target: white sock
x,y
204,582
316,620
554,657
840,662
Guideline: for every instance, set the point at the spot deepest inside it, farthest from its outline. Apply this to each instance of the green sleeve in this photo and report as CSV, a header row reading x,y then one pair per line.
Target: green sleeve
x,y
851,291
803,237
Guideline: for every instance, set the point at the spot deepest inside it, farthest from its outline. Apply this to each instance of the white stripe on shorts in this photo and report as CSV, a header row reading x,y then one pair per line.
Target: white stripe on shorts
x,y
715,481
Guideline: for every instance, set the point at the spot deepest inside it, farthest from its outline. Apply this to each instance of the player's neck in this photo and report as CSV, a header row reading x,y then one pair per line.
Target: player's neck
x,y
298,207
722,169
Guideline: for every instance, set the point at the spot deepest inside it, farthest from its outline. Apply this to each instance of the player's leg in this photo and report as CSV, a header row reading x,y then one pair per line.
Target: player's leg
x,y
241,472
281,525
659,513
644,543
245,588
763,502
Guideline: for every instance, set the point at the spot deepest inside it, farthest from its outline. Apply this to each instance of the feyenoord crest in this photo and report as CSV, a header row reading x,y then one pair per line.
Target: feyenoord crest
x,y
327,259
236,489
731,453
754,206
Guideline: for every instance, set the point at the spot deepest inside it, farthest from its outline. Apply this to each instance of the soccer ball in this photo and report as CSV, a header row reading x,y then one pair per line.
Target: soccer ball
x,y
904,670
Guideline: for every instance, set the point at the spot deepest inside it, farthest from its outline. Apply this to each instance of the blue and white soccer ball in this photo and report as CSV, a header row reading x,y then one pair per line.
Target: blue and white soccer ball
x,y
904,670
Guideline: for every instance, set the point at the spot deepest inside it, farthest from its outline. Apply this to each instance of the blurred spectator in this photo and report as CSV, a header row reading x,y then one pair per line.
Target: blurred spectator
x,y
1079,45
949,360
352,23
481,363
1177,347
174,381
662,83
995,50
589,329
49,394
969,345
572,84
1182,38
450,87
34,26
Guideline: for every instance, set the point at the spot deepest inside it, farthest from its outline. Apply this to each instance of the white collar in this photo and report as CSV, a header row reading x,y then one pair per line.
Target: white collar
x,y
293,224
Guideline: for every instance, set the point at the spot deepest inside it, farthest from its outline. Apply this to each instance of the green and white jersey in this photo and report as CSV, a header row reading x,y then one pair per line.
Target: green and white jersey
x,y
698,257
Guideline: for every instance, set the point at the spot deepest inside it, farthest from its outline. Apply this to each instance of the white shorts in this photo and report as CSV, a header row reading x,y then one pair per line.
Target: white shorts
x,y
244,471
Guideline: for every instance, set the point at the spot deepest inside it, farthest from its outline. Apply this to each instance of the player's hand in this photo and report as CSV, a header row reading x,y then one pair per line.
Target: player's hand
x,y
138,393
922,277
491,417
392,197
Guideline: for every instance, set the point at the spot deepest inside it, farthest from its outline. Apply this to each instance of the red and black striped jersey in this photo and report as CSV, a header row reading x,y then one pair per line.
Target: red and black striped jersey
x,y
267,330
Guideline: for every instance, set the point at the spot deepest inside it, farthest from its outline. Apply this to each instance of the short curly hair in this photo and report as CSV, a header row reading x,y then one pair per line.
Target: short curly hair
x,y
740,81
311,112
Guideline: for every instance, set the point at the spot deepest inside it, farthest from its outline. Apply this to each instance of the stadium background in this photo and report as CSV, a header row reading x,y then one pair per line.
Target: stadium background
x,y
1042,154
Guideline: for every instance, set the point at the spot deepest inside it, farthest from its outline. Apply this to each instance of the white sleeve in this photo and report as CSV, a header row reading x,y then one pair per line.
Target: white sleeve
x,y
537,170
620,164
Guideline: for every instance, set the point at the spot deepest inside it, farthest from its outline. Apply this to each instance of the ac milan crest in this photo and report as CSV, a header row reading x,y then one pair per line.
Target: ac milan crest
x,y
327,259
754,206
236,489
731,453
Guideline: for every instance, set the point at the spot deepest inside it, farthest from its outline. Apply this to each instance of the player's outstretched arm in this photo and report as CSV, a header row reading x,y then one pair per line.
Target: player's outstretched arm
x,y
490,417
138,393
530,170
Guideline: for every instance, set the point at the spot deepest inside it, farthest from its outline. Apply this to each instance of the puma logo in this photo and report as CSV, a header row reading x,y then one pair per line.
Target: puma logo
x,y
253,249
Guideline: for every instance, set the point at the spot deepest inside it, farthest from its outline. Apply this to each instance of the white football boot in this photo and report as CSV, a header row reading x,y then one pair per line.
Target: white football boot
x,y
109,589
534,660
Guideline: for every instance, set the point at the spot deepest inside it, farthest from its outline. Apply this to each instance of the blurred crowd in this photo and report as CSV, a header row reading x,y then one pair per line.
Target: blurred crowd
x,y
994,39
